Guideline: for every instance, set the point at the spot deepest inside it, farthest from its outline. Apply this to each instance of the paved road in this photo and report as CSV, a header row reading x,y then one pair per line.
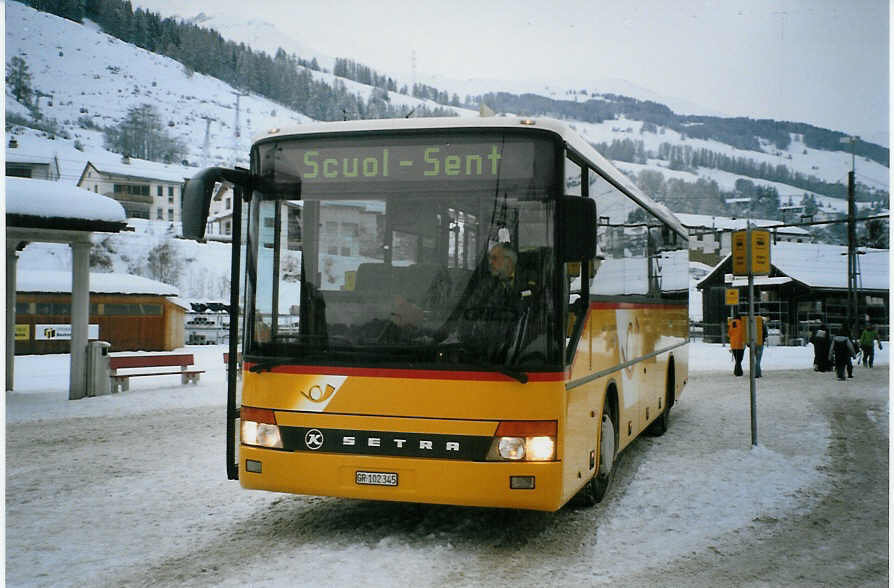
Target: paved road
x,y
843,539
141,501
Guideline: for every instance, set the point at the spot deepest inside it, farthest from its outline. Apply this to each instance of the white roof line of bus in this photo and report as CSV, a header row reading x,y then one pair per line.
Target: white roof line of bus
x,y
571,138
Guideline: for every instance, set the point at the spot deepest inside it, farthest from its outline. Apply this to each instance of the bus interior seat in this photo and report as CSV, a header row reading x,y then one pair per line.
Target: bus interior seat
x,y
414,282
532,263
459,279
373,278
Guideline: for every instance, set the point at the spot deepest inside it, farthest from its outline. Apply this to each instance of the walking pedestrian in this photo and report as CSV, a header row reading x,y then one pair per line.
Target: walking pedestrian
x,y
841,351
867,338
736,332
760,336
820,340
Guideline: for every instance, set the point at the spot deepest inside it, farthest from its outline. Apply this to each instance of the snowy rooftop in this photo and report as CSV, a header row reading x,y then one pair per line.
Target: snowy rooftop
x,y
691,221
825,266
140,168
60,281
16,156
54,199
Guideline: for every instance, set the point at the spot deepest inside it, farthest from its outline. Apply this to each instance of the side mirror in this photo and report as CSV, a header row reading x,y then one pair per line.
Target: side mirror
x,y
197,197
577,228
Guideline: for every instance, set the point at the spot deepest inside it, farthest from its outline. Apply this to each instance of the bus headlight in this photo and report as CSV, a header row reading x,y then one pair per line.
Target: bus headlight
x,y
261,434
540,448
524,441
512,448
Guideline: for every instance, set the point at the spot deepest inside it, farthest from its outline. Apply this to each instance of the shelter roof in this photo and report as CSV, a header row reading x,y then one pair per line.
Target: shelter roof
x,y
41,204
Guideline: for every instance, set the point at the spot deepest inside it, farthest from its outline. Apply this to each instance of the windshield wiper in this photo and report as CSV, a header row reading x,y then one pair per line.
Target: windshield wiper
x,y
501,368
269,364
512,373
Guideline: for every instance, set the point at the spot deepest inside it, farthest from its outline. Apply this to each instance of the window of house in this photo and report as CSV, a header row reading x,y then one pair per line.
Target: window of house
x,y
170,214
18,171
170,191
161,214
158,191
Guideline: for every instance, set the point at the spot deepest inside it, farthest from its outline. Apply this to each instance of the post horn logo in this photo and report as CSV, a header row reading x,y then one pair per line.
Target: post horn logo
x,y
313,439
317,394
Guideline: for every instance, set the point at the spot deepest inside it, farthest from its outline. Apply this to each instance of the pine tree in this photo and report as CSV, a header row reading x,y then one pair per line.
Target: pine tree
x,y
18,79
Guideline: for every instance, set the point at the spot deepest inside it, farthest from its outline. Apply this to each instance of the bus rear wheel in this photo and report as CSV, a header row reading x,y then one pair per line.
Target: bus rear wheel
x,y
597,487
660,425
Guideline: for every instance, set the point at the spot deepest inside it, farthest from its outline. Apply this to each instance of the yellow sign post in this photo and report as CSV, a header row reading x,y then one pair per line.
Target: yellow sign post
x,y
23,332
760,252
751,256
732,296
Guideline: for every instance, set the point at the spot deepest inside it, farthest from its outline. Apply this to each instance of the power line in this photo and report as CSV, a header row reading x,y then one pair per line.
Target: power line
x,y
800,224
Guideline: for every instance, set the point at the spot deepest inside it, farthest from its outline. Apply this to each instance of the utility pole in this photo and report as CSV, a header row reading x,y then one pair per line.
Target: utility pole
x,y
206,145
236,131
852,311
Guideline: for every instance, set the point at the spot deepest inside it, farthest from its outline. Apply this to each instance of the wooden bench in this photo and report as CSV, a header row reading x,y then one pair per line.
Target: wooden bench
x,y
226,360
121,381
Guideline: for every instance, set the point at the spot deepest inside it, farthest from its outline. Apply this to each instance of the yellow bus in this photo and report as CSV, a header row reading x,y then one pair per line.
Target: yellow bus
x,y
465,311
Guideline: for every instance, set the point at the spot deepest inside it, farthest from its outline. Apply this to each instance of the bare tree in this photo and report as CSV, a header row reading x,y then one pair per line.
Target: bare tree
x,y
141,135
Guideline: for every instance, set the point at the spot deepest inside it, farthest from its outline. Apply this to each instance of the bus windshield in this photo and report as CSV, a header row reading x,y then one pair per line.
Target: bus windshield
x,y
405,251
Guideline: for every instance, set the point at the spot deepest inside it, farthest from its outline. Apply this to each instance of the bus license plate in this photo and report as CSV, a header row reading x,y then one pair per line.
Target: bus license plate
x,y
375,478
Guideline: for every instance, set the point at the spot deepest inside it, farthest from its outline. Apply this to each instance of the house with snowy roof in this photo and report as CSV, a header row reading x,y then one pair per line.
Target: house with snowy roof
x,y
807,286
129,312
710,237
37,167
146,189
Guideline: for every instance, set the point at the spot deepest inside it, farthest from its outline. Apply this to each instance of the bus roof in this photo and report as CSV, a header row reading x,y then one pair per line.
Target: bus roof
x,y
572,140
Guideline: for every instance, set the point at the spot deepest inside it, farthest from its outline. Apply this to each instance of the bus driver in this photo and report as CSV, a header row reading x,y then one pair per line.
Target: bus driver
x,y
492,307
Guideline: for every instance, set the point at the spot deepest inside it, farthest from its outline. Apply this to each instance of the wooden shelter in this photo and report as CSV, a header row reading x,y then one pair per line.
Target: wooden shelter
x,y
807,286
129,312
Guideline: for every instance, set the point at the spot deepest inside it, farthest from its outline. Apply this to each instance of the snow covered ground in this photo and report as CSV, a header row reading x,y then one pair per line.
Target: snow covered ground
x,y
130,489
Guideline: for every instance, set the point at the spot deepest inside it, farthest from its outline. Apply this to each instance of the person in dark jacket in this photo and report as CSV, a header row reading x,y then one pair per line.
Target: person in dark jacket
x,y
820,340
841,351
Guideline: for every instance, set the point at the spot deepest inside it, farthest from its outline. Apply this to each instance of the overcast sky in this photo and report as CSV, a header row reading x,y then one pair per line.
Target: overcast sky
x,y
824,62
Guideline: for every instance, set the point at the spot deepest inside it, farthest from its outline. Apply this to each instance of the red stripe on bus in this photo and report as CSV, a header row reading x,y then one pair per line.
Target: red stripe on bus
x,y
630,305
412,374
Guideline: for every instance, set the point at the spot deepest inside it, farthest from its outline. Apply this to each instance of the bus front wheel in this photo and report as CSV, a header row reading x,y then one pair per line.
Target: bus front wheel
x,y
598,485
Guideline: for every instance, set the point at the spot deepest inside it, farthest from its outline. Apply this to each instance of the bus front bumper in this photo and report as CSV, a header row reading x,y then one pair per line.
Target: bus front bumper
x,y
435,481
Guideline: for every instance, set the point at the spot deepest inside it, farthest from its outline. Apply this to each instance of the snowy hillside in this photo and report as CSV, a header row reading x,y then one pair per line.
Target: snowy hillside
x,y
97,78
89,80
92,79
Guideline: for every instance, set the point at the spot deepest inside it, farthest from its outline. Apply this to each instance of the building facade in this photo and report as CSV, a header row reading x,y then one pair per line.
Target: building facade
x,y
30,166
807,286
145,189
710,237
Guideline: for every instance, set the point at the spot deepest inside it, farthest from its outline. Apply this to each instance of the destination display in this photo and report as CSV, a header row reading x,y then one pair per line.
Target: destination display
x,y
432,162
